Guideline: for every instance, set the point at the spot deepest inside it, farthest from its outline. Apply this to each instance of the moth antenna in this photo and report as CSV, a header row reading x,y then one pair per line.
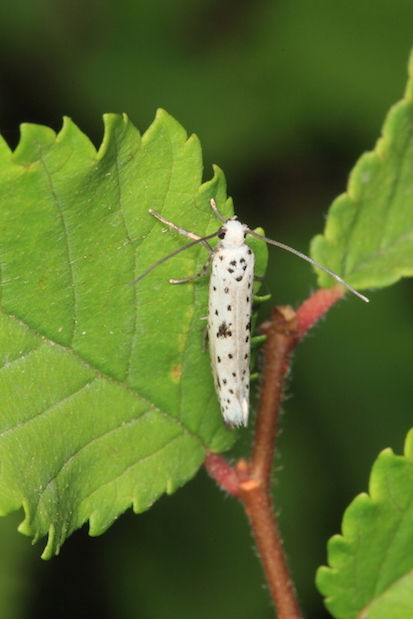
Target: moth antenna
x,y
311,261
216,211
174,253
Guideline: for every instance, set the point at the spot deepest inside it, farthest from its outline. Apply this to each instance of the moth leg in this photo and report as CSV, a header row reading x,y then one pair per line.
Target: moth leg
x,y
216,211
204,339
183,231
200,274
258,339
258,299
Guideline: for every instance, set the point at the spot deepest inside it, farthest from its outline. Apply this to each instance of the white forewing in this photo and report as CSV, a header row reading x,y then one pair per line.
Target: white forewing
x,y
229,323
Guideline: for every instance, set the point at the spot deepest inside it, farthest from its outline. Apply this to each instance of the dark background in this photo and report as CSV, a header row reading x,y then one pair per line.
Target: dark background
x,y
284,96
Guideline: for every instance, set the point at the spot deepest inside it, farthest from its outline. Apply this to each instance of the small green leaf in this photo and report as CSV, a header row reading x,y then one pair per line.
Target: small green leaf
x,y
371,563
107,396
368,239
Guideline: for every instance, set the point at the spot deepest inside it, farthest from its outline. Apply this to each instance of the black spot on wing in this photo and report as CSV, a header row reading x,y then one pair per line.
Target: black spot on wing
x,y
224,330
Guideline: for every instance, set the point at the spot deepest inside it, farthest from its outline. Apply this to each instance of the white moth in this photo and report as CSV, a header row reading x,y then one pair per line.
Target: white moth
x,y
230,308
229,321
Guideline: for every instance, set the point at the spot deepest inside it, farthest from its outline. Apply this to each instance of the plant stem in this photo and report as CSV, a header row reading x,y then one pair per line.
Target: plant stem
x,y
255,478
281,339
250,481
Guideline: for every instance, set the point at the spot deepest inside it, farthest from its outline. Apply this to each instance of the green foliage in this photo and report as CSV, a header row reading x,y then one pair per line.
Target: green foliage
x,y
108,400
107,397
368,238
258,85
371,563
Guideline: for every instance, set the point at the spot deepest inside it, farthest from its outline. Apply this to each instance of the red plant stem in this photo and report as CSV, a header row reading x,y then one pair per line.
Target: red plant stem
x,y
259,508
255,491
315,307
281,339
251,481
223,473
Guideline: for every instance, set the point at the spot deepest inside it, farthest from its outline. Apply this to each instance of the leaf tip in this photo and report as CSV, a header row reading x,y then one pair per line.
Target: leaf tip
x,y
51,547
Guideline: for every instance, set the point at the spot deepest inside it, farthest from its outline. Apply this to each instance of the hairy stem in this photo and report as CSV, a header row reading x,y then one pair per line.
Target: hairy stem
x,y
255,478
250,481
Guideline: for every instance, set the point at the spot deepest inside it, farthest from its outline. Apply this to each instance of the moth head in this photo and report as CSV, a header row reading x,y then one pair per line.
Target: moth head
x,y
232,234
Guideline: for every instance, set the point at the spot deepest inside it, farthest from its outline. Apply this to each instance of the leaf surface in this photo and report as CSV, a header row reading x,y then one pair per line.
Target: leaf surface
x,y
368,238
370,573
107,398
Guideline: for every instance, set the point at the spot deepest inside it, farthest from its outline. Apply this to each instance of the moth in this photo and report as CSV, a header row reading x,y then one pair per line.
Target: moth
x,y
230,307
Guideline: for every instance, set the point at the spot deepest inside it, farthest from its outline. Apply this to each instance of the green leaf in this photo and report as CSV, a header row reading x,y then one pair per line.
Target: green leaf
x,y
107,399
368,239
371,563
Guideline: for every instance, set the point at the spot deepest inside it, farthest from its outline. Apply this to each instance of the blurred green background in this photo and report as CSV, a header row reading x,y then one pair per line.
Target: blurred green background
x,y
284,96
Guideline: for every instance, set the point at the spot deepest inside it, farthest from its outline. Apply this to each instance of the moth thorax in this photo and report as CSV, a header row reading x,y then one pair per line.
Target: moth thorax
x,y
234,234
